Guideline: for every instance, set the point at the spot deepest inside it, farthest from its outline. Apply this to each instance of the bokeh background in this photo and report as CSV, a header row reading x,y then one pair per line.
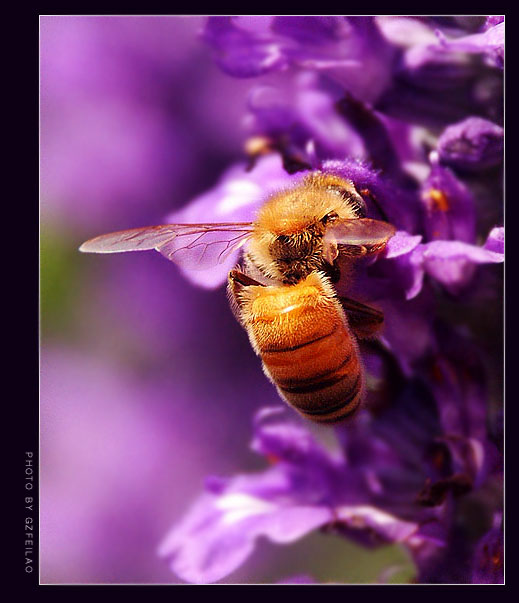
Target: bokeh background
x,y
148,384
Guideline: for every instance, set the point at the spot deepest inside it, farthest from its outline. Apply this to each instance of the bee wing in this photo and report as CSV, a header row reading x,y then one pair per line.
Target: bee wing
x,y
192,246
359,237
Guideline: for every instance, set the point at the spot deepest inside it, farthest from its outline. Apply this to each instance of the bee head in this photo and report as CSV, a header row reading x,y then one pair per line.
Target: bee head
x,y
351,197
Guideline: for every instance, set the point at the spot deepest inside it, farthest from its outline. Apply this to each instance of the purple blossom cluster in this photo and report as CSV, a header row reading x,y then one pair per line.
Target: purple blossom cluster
x,y
411,111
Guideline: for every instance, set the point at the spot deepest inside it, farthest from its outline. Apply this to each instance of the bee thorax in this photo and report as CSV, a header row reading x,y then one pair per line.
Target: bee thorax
x,y
297,255
293,271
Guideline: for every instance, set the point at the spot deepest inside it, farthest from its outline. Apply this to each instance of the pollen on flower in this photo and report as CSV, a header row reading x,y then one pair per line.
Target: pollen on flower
x,y
437,200
258,145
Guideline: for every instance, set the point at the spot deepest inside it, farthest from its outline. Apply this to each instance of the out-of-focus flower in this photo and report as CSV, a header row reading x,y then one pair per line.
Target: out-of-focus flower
x,y
350,51
472,144
300,110
490,43
442,82
493,20
366,491
488,565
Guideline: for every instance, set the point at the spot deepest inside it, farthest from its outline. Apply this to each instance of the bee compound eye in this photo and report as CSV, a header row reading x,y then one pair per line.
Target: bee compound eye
x,y
360,206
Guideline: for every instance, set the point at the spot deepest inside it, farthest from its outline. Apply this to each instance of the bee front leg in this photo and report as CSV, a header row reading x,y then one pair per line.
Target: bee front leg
x,y
237,282
240,278
365,321
365,192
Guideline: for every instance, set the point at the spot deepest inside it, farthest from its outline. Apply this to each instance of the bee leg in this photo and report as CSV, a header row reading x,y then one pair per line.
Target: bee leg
x,y
365,192
236,282
236,276
353,251
293,159
364,320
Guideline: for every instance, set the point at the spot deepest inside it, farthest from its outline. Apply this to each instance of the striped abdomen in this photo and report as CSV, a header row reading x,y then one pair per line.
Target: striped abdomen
x,y
302,335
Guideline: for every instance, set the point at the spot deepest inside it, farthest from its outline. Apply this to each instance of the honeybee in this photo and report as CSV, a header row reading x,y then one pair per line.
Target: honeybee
x,y
302,241
306,343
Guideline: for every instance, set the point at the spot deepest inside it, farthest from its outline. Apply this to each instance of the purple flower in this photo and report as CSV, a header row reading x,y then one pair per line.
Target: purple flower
x,y
421,443
450,209
451,263
442,82
472,144
244,52
488,565
394,478
298,106
493,20
458,379
352,51
366,491
489,43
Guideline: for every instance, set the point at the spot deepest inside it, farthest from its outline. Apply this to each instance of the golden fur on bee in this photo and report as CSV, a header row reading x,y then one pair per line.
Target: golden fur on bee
x,y
307,348
287,243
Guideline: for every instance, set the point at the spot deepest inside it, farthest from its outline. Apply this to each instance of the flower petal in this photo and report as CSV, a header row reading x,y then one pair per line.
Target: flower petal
x,y
219,533
452,263
449,206
401,243
490,43
472,144
384,524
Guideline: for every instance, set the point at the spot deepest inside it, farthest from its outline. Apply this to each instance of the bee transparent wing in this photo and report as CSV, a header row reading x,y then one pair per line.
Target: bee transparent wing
x,y
359,237
192,246
135,239
365,320
205,246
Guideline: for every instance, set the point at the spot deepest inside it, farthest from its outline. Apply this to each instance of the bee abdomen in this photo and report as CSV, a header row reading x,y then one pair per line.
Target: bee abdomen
x,y
337,405
321,378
